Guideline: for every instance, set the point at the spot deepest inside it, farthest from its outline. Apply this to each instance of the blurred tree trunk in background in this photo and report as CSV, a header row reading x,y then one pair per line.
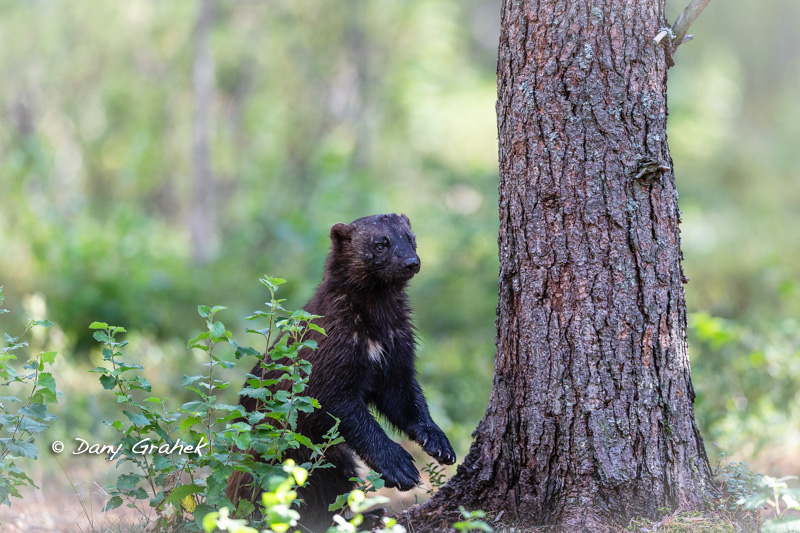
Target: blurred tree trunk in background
x,y
590,420
203,210
360,50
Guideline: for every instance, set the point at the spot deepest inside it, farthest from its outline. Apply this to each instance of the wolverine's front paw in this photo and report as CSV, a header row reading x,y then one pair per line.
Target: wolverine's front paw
x,y
399,470
434,442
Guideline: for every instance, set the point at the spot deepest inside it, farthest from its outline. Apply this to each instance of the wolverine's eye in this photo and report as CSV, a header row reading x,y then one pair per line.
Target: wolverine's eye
x,y
380,247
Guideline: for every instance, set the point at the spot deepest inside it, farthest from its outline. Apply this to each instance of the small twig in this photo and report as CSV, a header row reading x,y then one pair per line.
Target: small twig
x,y
405,512
103,510
685,20
677,33
77,494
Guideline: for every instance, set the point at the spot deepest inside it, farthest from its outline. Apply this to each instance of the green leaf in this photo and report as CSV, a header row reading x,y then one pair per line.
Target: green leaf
x,y
98,325
112,503
101,336
234,414
187,423
245,508
317,328
127,482
161,462
217,329
47,381
210,521
196,407
242,440
48,357
305,441
225,364
140,382
245,351
108,382
257,394
35,410
472,526
311,344
44,395
182,491
137,419
31,426
301,315
195,342
204,311
124,367
198,391
42,323
188,380
341,499
376,479
272,283
227,407
21,449
255,417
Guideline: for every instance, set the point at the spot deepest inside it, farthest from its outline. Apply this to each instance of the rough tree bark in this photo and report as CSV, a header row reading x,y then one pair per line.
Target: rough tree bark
x,y
590,420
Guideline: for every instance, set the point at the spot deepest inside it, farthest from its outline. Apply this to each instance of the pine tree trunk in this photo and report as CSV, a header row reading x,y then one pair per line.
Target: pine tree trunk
x,y
590,420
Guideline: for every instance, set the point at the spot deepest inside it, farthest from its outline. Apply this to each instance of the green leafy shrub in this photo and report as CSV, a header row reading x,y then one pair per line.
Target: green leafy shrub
x,y
780,497
279,517
473,521
277,502
32,417
436,475
736,479
358,503
216,438
757,368
372,483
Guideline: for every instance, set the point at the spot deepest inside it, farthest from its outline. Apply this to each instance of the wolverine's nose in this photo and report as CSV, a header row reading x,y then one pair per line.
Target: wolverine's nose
x,y
412,264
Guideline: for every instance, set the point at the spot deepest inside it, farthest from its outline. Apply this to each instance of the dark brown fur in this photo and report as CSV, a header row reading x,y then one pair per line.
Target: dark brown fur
x,y
366,360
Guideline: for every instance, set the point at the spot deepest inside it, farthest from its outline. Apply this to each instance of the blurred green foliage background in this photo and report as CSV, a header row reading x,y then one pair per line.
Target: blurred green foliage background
x,y
322,112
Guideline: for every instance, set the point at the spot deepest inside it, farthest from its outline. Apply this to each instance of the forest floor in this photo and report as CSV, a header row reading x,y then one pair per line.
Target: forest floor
x,y
75,503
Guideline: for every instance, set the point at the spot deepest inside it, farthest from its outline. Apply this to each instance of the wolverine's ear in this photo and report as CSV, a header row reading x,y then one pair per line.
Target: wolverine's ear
x,y
404,217
341,232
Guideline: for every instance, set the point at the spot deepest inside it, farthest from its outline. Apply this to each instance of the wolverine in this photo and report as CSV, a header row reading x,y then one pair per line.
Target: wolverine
x,y
365,360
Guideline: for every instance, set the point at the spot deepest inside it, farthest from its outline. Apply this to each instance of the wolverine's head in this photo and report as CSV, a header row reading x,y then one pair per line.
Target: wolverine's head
x,y
380,247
